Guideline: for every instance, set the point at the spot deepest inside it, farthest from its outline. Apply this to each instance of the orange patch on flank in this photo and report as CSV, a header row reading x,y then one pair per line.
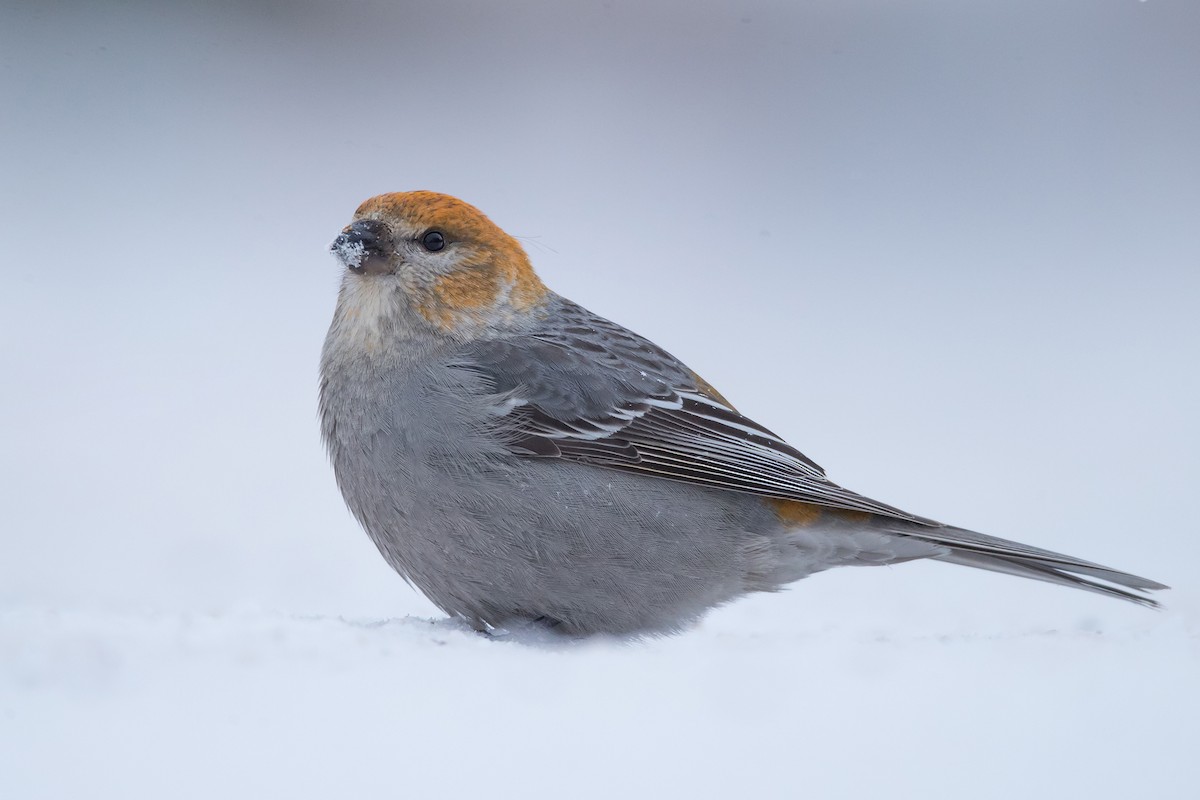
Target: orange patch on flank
x,y
795,513
707,388
851,516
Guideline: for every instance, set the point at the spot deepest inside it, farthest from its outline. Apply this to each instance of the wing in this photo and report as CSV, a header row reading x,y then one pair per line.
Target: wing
x,y
590,391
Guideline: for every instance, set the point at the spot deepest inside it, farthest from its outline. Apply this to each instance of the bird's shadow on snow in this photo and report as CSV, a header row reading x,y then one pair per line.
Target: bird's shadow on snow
x,y
521,633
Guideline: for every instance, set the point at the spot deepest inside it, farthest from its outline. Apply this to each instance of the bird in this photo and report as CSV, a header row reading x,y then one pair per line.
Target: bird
x,y
522,460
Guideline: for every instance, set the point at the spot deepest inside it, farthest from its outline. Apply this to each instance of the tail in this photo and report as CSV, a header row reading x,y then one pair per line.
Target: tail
x,y
972,549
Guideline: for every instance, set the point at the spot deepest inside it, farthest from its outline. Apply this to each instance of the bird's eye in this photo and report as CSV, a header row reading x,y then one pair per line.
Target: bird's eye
x,y
433,241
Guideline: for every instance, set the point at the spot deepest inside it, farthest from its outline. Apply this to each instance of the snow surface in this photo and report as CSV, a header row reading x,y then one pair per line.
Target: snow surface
x,y
256,704
948,250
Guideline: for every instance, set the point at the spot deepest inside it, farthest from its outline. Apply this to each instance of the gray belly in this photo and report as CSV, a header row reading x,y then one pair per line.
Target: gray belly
x,y
590,548
489,536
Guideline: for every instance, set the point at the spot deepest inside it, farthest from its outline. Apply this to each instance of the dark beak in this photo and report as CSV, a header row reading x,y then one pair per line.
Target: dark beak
x,y
360,246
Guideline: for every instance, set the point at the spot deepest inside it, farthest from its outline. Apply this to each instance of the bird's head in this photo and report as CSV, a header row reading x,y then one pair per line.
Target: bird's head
x,y
439,257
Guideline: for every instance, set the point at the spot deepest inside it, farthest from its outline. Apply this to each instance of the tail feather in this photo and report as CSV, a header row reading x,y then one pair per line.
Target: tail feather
x,y
1039,572
1001,555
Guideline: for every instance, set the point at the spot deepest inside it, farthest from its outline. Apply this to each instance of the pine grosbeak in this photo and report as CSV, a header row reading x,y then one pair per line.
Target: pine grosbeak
x,y
517,457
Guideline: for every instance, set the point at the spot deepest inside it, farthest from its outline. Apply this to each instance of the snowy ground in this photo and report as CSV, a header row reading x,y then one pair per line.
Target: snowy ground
x,y
257,704
948,250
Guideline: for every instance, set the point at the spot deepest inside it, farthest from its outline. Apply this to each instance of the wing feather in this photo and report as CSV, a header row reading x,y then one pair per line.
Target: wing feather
x,y
592,391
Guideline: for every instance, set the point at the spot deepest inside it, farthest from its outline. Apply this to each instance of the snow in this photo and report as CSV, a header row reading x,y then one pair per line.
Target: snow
x,y
254,704
947,250
349,253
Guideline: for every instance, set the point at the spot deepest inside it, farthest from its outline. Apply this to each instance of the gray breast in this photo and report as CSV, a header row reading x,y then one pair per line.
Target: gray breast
x,y
489,536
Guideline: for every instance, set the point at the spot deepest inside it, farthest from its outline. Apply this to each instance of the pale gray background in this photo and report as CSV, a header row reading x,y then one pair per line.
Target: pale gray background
x,y
950,250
